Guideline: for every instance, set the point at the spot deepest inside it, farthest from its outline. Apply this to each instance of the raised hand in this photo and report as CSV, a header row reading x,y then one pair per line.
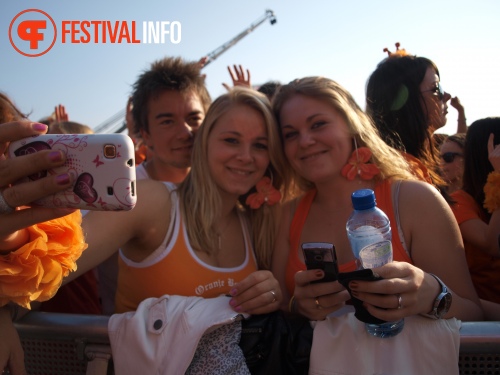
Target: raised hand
x,y
60,113
238,77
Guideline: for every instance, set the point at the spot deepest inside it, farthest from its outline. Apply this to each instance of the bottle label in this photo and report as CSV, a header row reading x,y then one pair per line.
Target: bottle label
x,y
376,255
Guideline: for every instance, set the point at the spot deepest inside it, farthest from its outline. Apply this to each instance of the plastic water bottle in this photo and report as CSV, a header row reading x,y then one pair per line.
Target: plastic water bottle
x,y
369,232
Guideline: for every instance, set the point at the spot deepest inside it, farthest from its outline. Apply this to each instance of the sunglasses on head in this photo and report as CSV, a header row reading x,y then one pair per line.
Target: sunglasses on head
x,y
449,157
438,90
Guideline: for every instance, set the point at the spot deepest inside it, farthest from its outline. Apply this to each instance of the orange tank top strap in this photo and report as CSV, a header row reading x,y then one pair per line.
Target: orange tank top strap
x,y
385,199
175,269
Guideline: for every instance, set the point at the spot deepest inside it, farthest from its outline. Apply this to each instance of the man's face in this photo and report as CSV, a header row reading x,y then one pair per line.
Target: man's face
x,y
173,119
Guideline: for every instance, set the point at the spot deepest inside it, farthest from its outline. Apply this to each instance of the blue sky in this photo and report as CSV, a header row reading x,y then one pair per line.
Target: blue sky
x,y
342,40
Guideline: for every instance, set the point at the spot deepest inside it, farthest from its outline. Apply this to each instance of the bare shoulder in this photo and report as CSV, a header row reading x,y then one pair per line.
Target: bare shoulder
x,y
153,199
151,217
151,190
421,196
424,210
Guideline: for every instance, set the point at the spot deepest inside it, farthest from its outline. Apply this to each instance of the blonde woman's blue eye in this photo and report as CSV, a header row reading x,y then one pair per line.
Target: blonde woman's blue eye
x,y
261,146
318,124
231,140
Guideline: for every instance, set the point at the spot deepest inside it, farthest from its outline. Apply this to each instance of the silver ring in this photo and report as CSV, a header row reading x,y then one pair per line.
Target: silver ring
x,y
274,296
4,207
318,306
400,301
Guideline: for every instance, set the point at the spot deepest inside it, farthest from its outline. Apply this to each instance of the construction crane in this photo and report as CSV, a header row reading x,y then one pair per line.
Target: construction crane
x,y
115,124
219,51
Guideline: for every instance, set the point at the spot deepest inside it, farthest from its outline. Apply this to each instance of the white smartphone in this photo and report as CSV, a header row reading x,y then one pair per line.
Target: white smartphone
x,y
102,165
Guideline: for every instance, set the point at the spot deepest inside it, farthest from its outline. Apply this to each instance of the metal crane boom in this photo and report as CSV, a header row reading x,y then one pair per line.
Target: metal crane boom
x,y
220,50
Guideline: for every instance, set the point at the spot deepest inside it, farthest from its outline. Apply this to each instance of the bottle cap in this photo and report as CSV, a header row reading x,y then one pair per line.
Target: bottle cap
x,y
363,199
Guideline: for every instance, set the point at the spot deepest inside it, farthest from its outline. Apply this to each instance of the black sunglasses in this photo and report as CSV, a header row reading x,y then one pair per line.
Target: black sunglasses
x,y
438,90
449,157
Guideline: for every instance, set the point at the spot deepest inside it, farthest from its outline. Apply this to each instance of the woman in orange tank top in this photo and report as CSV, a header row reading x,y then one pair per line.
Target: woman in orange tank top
x,y
334,150
232,188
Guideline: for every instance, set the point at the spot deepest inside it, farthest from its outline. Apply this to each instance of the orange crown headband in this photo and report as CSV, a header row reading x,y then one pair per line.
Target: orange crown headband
x,y
398,53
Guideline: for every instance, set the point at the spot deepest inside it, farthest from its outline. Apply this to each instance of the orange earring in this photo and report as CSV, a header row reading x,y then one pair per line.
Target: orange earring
x,y
357,165
266,193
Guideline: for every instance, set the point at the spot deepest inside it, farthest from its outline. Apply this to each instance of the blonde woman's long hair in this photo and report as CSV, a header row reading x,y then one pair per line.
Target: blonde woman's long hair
x,y
391,163
199,194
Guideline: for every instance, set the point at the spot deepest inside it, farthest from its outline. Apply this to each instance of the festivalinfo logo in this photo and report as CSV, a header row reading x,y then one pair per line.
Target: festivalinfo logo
x,y
33,32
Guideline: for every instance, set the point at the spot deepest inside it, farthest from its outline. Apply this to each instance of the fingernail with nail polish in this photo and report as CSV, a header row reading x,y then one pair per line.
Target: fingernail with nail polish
x,y
63,179
38,127
55,156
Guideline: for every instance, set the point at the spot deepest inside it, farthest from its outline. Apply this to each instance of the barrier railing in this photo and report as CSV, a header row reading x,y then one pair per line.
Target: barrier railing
x,y
66,344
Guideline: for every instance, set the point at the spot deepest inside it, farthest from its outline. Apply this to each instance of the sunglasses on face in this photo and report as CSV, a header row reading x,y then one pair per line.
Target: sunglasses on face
x,y
449,157
437,90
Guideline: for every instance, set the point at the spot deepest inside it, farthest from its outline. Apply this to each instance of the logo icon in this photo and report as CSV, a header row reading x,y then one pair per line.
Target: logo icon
x,y
32,32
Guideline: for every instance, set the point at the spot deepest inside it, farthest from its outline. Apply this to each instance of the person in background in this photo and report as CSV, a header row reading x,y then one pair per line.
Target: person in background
x,y
169,103
452,161
461,120
9,111
167,106
58,115
141,150
269,89
70,127
238,77
477,207
405,99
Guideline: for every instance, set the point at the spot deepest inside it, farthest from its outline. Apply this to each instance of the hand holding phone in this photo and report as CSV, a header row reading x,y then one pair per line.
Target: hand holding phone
x,y
361,275
102,166
321,255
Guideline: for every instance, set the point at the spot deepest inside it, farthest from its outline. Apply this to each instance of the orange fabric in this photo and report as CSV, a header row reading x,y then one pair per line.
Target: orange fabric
x,y
418,169
35,271
80,296
383,195
140,153
178,272
492,192
484,269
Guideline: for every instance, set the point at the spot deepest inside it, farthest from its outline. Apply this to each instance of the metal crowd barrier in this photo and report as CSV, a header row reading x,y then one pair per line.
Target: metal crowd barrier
x,y
67,344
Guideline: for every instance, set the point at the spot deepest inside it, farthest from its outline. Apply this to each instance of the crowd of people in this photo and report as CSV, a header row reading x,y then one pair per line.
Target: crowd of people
x,y
229,189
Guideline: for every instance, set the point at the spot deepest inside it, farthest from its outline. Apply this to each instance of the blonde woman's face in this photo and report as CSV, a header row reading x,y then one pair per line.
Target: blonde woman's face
x,y
238,150
316,138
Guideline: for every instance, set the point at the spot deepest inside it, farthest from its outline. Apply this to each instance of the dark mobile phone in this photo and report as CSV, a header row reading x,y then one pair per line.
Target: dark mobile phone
x,y
321,255
365,275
